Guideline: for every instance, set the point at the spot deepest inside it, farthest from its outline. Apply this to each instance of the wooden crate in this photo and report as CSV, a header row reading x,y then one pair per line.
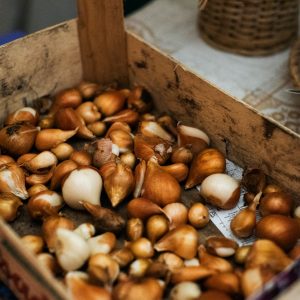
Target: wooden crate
x,y
96,47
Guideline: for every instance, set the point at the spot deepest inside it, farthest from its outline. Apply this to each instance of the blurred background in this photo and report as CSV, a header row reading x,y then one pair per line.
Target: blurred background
x,y
20,17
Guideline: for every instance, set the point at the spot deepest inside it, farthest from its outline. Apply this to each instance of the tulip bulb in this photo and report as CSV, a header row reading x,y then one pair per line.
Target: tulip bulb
x,y
198,215
33,243
123,256
128,116
271,188
61,171
44,204
12,180
168,123
139,267
241,254
182,155
159,186
18,139
6,159
103,268
122,139
186,290
282,230
140,100
225,282
139,175
193,273
85,230
118,126
71,249
41,163
97,128
221,246
171,260
182,240
207,162
128,159
63,151
88,111
82,184
103,243
88,89
177,214
192,136
25,158
276,203
47,139
142,208
220,190
156,227
48,262
265,253
9,205
24,114
214,294
153,129
179,171
35,179
134,229
49,227
81,157
142,248
119,184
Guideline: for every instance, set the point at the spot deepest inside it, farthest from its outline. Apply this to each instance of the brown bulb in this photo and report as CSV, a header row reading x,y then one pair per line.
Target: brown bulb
x,y
276,203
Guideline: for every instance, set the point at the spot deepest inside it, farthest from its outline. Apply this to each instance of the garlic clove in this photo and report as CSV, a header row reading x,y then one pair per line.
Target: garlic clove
x,y
105,219
146,147
171,260
66,98
127,115
81,157
97,128
123,256
60,171
276,203
224,282
79,288
186,290
265,253
207,162
18,139
179,171
159,186
65,244
221,246
6,159
138,289
177,214
220,190
85,230
49,227
142,248
82,184
44,204
213,262
156,227
103,243
119,184
12,180
193,273
9,206
192,136
63,151
41,163
282,230
88,89
50,138
103,268
24,114
139,267
122,139
134,229
253,279
128,159
153,129
69,119
142,208
88,111
33,243
198,215
111,102
182,240
182,155
139,175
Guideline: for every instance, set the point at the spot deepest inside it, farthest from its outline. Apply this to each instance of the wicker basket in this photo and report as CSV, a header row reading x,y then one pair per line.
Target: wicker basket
x,y
295,63
249,27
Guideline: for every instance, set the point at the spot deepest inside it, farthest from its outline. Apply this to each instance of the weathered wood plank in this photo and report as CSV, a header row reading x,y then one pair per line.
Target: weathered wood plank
x,y
244,135
37,65
102,41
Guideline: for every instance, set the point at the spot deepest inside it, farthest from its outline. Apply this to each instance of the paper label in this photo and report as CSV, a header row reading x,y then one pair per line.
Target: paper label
x,y
222,218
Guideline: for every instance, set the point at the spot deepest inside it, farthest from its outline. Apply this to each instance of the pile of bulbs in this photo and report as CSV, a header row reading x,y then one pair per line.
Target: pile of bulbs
x,y
138,160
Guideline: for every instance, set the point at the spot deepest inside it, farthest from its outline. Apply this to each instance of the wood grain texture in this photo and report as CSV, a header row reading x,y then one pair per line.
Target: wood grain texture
x,y
37,65
103,41
239,131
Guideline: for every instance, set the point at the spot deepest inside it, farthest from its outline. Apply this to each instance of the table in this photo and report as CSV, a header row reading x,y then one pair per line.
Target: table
x,y
171,25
